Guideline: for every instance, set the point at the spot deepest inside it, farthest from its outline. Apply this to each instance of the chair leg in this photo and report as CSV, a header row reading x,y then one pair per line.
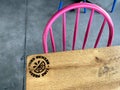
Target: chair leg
x,y
113,6
84,8
60,5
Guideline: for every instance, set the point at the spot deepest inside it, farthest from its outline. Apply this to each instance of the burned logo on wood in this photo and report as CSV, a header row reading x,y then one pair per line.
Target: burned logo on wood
x,y
38,66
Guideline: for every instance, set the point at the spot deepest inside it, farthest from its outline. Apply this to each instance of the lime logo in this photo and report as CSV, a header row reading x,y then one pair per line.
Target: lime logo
x,y
38,66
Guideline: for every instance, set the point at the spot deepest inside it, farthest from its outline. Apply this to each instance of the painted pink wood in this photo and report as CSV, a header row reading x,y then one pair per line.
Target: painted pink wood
x,y
52,40
76,28
88,28
64,31
76,6
100,33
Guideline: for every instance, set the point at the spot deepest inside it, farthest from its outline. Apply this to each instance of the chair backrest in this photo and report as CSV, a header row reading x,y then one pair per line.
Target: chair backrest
x,y
77,6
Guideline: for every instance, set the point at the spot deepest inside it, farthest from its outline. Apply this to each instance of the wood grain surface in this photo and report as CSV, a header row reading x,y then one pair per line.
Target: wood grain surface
x,y
91,69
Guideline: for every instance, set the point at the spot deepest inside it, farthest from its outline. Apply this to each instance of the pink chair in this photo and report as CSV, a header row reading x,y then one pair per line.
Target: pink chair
x,y
78,6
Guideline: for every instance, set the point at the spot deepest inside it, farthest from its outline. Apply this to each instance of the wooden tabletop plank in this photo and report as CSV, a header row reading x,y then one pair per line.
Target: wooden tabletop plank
x,y
91,69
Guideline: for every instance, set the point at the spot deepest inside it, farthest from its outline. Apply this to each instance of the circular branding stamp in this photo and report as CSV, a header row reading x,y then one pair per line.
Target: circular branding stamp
x,y
38,66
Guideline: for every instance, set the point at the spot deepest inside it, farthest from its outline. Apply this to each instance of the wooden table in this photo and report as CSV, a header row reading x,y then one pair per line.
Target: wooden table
x,y
91,69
